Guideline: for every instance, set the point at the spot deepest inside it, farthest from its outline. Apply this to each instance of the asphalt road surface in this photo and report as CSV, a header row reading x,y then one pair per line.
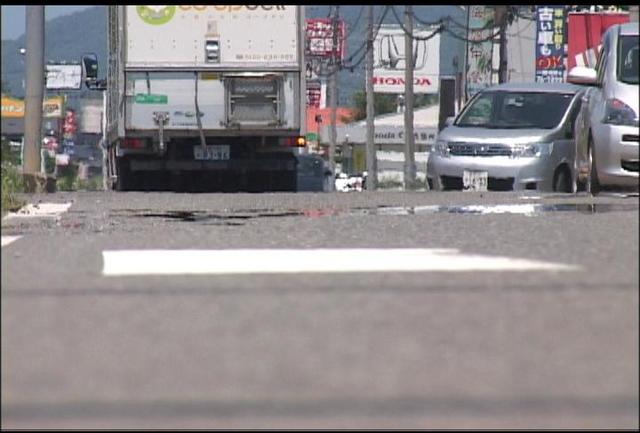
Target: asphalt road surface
x,y
339,310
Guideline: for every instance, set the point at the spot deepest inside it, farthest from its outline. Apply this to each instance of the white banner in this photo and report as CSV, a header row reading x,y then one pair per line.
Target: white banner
x,y
389,61
63,77
91,116
479,54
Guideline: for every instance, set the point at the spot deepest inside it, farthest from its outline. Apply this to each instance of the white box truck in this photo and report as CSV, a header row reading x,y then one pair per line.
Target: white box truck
x,y
210,96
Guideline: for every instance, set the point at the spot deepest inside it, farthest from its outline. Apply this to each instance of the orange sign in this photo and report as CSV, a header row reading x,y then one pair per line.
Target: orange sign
x,y
12,107
52,107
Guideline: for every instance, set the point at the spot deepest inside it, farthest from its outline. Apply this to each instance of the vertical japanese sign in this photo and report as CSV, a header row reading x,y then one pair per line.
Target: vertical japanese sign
x,y
550,44
314,93
322,45
69,128
479,48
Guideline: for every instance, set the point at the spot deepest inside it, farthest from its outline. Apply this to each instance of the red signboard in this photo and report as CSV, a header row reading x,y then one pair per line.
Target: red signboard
x,y
70,125
314,97
585,34
549,62
320,38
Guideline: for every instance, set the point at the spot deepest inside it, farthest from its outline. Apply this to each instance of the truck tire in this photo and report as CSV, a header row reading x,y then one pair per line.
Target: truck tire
x,y
123,181
286,181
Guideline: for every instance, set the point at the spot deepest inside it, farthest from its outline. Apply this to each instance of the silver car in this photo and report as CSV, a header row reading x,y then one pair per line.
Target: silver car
x,y
510,137
607,126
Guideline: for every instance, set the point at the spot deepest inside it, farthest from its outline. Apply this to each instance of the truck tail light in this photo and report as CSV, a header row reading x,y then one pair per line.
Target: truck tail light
x,y
293,141
134,143
301,141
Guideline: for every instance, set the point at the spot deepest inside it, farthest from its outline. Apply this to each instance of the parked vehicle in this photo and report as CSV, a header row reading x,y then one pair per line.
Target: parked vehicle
x,y
314,173
349,183
509,137
607,128
205,94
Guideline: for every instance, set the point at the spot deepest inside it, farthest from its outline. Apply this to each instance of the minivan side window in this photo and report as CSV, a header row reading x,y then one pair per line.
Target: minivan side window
x,y
601,66
573,116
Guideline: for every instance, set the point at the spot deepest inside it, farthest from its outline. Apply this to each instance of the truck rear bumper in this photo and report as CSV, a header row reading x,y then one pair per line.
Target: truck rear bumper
x,y
230,165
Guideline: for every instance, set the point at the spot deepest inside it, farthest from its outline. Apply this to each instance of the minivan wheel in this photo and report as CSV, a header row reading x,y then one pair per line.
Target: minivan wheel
x,y
562,181
593,184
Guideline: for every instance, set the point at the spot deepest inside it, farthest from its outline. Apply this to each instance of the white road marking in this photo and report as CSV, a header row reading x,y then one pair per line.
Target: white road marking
x,y
51,210
6,240
270,261
516,209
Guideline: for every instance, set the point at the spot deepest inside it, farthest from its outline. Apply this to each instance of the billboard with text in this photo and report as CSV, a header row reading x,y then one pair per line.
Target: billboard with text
x,y
480,49
322,41
389,61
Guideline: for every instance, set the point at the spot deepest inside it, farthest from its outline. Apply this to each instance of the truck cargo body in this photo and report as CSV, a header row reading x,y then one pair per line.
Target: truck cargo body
x,y
205,94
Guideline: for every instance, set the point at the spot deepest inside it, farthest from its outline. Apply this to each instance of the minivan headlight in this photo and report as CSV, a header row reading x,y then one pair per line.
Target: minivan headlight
x,y
442,148
532,150
617,112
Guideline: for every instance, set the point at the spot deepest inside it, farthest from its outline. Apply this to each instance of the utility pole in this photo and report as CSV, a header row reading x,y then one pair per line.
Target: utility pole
x,y
501,18
333,88
372,161
34,92
103,144
409,148
465,70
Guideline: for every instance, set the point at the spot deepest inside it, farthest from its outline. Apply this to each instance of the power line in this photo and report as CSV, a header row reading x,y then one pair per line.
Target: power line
x,y
461,38
426,23
449,19
362,57
416,38
355,25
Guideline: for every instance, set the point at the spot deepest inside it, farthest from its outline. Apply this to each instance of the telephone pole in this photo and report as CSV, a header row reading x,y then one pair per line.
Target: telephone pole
x,y
34,92
333,88
409,148
372,162
501,18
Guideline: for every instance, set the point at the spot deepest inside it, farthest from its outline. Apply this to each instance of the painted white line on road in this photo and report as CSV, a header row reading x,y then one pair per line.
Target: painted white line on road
x,y
50,210
266,261
6,240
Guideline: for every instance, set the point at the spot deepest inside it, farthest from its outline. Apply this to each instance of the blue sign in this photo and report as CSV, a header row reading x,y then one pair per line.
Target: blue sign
x,y
551,50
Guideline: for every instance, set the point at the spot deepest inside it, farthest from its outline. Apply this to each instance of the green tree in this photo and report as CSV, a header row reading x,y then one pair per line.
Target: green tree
x,y
385,103
382,103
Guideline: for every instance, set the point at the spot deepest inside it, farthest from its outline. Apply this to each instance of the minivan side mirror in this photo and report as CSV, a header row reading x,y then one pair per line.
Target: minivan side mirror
x,y
449,121
583,75
90,69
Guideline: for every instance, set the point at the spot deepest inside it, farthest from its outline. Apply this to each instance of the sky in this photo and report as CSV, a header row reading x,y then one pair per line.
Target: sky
x,y
13,17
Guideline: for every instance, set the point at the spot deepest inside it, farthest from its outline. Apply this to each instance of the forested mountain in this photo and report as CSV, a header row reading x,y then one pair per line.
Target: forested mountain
x,y
70,36
67,38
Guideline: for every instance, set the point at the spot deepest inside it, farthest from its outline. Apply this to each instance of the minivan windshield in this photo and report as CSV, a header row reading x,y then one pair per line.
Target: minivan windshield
x,y
515,110
628,59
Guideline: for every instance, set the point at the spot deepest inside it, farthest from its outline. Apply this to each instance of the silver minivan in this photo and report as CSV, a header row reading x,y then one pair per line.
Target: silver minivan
x,y
510,137
607,128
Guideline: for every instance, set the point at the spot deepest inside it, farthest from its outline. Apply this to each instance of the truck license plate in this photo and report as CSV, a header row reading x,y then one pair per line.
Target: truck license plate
x,y
474,180
211,153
